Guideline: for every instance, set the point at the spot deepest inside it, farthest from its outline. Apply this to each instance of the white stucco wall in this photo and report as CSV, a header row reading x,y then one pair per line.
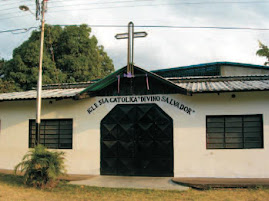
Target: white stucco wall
x,y
191,158
236,70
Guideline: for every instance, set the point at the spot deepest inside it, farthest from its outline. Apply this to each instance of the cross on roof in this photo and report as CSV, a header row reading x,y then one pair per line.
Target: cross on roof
x,y
131,35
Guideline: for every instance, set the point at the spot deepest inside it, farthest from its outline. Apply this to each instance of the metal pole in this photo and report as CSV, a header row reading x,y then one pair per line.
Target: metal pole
x,y
39,83
132,65
128,51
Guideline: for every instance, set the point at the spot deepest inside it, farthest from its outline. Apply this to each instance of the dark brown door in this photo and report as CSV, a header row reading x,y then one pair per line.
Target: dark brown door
x,y
137,139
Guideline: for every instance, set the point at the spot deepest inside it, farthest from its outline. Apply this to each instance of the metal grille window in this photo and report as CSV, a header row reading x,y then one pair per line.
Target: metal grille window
x,y
234,132
54,133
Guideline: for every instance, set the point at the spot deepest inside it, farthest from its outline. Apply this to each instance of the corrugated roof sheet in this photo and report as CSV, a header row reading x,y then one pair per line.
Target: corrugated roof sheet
x,y
223,84
68,85
46,94
191,84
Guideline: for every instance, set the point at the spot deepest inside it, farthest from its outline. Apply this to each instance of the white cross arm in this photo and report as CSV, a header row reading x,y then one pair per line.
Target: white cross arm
x,y
126,35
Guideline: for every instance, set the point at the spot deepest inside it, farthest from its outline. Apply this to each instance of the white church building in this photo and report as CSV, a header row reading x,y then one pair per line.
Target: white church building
x,y
207,120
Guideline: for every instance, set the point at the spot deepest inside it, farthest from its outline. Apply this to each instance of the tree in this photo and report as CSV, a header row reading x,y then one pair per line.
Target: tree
x,y
6,86
2,62
263,52
70,55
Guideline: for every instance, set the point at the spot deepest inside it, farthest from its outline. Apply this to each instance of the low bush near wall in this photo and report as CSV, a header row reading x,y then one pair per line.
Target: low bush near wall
x,y
41,167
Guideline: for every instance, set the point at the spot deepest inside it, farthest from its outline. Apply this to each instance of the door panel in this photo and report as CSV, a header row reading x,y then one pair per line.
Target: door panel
x,y
137,140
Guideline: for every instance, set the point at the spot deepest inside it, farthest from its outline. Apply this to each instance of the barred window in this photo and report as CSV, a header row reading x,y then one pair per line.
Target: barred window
x,y
234,132
54,133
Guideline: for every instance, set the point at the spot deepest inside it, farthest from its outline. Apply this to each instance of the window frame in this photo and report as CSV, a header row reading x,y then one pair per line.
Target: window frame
x,y
243,133
64,119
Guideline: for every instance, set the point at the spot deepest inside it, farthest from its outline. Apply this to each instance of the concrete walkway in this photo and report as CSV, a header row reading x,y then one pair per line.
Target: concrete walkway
x,y
160,183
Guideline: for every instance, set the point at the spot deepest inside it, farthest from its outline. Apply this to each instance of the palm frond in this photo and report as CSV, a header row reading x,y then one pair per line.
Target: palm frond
x,y
41,167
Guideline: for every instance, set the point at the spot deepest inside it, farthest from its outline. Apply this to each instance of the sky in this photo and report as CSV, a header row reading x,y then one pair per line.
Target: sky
x,y
163,47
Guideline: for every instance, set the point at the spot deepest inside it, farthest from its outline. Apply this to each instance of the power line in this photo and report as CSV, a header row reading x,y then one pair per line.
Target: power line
x,y
151,5
135,1
5,18
11,8
147,5
89,4
177,27
96,3
7,4
175,3
147,26
24,30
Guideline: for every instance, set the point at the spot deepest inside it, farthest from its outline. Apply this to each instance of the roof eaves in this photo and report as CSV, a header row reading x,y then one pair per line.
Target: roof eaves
x,y
46,94
226,91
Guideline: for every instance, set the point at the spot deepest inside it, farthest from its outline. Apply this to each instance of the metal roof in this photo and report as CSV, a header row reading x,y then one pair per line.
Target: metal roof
x,y
202,84
206,69
221,63
223,83
68,85
46,94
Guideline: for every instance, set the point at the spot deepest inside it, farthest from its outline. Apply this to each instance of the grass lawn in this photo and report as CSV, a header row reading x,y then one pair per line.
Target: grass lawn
x,y
12,188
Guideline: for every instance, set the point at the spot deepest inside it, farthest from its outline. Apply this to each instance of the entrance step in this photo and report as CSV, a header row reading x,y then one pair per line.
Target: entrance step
x,y
160,183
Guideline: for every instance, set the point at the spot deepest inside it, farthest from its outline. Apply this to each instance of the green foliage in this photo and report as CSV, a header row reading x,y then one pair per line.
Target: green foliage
x,y
2,62
263,52
78,55
8,86
70,55
41,167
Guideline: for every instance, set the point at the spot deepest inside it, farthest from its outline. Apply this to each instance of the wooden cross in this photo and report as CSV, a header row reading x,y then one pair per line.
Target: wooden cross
x,y
131,35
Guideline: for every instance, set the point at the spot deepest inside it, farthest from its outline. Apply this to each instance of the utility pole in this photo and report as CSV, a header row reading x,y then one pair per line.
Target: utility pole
x,y
39,83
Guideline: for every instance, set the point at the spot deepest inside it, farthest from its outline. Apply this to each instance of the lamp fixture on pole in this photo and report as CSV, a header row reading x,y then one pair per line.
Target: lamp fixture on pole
x,y
24,8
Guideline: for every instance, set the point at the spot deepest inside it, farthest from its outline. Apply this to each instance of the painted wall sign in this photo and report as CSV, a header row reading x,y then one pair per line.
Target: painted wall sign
x,y
141,99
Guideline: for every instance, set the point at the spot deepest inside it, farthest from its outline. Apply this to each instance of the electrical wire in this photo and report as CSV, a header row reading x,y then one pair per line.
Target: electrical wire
x,y
148,26
89,4
175,3
7,4
96,3
5,18
13,31
130,6
135,1
177,27
135,6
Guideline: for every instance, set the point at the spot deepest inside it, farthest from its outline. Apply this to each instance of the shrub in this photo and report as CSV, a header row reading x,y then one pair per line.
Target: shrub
x,y
41,167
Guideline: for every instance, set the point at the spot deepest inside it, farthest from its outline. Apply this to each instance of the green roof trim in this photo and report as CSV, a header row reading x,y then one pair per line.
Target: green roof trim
x,y
101,84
